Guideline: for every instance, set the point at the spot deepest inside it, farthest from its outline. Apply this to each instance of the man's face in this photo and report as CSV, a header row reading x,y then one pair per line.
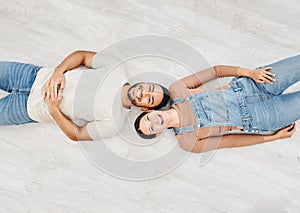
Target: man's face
x,y
145,95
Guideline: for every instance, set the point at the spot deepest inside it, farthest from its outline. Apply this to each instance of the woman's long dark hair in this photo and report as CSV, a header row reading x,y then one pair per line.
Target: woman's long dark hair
x,y
137,127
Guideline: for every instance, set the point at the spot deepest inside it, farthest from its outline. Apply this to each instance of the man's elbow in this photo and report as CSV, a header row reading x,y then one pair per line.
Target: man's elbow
x,y
79,137
73,138
87,57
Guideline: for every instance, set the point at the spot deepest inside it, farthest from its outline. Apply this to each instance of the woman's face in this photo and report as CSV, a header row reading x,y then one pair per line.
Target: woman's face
x,y
154,122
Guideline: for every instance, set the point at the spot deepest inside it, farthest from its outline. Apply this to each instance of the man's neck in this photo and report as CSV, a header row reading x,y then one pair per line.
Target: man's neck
x,y
124,97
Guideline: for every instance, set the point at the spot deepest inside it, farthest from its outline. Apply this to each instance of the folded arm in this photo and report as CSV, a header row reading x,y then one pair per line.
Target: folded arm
x,y
235,140
72,61
73,131
76,59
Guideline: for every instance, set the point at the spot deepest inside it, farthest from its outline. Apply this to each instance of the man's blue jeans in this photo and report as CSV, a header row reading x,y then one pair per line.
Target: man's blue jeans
x,y
16,79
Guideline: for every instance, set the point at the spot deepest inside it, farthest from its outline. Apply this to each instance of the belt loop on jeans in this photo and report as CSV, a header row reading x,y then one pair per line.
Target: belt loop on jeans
x,y
21,91
235,85
37,69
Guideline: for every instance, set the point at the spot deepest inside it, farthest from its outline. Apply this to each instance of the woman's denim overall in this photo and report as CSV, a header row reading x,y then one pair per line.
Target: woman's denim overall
x,y
16,79
258,108
213,108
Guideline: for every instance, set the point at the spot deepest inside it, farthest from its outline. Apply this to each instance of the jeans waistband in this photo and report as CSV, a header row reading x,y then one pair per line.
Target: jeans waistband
x,y
26,88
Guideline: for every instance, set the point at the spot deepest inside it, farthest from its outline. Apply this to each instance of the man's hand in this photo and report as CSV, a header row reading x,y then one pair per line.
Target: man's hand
x,y
73,131
71,62
262,75
286,132
52,97
59,82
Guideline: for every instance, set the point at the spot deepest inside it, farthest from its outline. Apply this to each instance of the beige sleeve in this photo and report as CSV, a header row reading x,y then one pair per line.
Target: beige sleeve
x,y
97,61
197,79
226,141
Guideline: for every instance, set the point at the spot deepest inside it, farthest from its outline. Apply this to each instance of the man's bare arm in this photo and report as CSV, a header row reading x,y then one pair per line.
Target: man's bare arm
x,y
72,61
75,59
73,131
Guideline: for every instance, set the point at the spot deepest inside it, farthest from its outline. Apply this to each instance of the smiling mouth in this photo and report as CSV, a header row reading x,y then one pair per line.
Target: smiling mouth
x,y
161,119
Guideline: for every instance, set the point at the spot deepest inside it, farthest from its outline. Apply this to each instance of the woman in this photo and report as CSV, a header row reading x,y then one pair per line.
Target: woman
x,y
241,113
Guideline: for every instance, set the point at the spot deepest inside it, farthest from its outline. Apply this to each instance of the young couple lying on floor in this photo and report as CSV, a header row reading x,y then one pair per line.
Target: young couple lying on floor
x,y
251,109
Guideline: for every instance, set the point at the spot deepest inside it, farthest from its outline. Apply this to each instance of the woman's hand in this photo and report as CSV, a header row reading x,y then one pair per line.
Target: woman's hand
x,y
51,101
286,132
262,75
59,82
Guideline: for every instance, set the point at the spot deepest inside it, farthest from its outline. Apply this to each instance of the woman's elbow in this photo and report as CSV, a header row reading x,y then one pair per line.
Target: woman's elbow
x,y
77,138
190,149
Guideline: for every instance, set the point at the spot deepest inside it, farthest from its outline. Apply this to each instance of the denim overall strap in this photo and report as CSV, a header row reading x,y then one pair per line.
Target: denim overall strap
x,y
246,119
184,129
176,101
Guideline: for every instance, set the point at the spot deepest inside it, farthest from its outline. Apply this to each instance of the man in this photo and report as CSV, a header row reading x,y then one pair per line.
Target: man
x,y
80,100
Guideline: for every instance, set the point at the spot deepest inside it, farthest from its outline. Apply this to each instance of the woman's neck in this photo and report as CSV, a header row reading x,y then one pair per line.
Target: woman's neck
x,y
172,118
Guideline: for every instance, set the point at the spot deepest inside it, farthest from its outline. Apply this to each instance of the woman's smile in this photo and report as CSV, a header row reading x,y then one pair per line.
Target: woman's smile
x,y
160,119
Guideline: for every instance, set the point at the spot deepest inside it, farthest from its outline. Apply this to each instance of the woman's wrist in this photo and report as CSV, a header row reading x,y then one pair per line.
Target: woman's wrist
x,y
271,137
243,72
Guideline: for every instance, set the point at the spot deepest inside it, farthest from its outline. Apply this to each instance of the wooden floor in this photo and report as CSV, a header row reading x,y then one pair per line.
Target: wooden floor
x,y
42,171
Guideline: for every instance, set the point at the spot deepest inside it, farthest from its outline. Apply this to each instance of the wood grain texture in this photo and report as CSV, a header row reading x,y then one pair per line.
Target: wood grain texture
x,y
42,171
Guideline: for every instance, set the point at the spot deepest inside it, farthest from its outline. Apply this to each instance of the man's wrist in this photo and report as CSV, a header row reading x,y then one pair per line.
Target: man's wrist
x,y
53,110
60,70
